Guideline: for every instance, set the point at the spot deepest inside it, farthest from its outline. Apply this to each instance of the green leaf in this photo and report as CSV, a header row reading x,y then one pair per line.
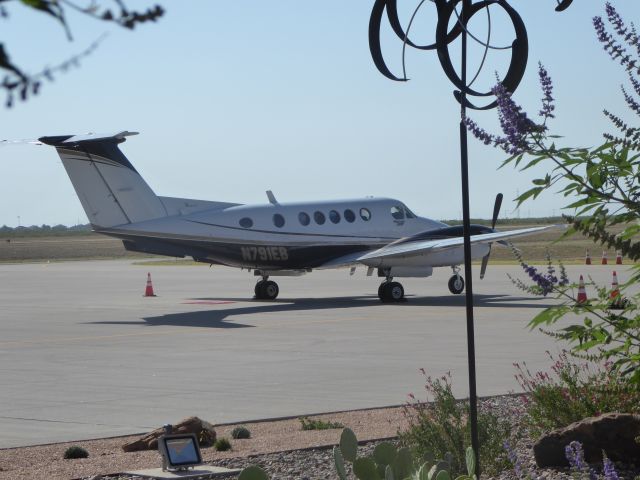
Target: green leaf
x,y
470,458
385,453
253,473
388,473
443,475
349,445
403,464
365,469
339,462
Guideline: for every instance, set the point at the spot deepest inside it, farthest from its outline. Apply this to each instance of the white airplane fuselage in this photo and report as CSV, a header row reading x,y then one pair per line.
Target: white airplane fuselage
x,y
289,236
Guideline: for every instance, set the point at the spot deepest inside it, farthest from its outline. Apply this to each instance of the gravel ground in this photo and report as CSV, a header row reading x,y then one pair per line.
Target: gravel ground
x,y
280,447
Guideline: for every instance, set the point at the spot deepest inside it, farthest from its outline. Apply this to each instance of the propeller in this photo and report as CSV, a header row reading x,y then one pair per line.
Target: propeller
x,y
494,219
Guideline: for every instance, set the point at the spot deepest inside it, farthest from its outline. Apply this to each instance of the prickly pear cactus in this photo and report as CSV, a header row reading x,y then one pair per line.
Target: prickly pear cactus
x,y
253,473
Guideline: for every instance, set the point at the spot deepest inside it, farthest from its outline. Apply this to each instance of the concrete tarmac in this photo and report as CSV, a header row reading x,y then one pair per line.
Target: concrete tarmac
x,y
84,355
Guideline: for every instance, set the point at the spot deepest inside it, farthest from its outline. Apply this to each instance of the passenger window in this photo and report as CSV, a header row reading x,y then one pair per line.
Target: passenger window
x,y
246,222
334,216
278,220
349,216
397,213
365,214
304,218
319,217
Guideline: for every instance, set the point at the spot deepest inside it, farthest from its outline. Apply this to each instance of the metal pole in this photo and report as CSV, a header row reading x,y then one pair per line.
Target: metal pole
x,y
464,167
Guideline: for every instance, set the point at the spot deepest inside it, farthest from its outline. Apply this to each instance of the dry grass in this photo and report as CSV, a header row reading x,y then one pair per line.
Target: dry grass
x,y
106,455
94,246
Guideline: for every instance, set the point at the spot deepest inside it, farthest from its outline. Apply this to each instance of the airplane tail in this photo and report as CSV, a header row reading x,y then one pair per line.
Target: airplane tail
x,y
111,191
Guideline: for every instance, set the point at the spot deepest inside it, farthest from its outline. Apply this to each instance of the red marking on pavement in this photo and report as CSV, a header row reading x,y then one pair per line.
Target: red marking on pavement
x,y
208,302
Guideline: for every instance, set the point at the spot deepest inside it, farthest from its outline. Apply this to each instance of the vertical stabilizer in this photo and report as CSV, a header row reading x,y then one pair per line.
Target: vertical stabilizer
x,y
110,189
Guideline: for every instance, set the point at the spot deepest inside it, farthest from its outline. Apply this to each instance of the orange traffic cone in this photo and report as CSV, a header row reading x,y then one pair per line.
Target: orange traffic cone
x,y
618,257
587,259
615,290
582,292
604,257
148,292
617,302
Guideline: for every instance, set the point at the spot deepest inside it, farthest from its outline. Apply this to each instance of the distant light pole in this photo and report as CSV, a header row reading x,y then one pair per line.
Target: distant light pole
x,y
452,23
18,220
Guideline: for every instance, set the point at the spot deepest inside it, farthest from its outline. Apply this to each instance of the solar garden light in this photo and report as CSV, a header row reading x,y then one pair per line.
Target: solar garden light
x,y
179,452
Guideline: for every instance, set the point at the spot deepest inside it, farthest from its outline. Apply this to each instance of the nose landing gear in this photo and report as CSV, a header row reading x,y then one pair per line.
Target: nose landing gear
x,y
266,289
456,282
390,291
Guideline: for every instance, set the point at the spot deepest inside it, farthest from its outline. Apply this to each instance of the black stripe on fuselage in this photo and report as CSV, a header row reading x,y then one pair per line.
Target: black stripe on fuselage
x,y
271,257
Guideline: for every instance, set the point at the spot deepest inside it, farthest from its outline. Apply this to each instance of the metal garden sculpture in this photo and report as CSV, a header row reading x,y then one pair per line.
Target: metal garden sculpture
x,y
453,17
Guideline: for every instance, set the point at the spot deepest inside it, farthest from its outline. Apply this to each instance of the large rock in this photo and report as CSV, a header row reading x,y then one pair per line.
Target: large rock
x,y
615,433
204,432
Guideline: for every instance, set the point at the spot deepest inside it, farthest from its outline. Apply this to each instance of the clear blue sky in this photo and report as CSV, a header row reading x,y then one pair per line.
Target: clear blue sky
x,y
234,98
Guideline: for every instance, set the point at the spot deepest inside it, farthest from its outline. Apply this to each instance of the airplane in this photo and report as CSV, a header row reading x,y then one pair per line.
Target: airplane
x,y
273,239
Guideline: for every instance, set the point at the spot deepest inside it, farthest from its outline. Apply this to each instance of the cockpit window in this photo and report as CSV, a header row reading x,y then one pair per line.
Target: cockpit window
x,y
246,222
408,212
397,212
365,214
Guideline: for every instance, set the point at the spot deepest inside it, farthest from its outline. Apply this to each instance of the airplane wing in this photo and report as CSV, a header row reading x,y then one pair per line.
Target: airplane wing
x,y
420,247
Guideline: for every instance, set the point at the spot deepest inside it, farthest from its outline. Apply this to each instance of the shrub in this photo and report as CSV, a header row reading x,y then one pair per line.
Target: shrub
x,y
574,391
441,429
240,433
315,424
222,445
75,452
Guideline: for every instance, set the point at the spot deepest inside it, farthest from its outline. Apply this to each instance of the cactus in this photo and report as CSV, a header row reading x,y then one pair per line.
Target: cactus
x,y
349,445
339,461
387,463
253,473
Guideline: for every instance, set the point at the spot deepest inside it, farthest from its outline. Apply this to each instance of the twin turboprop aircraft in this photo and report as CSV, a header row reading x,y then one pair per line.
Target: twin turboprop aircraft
x,y
275,239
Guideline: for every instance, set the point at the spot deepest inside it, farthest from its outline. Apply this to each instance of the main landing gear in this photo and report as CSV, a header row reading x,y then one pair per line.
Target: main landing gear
x,y
390,291
456,282
266,289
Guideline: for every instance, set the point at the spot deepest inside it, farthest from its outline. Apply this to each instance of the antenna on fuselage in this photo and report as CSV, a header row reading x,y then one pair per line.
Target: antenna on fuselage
x,y
271,197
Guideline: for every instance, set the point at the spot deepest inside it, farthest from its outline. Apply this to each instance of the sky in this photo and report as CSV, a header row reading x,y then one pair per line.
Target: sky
x,y
235,98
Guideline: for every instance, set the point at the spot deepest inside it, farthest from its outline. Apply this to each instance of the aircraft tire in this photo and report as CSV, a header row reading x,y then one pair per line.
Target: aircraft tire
x,y
270,290
456,285
392,292
381,290
259,290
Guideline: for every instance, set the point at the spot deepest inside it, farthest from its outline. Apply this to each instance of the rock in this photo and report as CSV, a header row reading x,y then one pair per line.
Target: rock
x,y
615,433
204,432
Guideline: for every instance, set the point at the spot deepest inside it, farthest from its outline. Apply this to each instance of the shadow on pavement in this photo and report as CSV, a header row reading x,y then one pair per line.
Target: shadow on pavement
x,y
217,317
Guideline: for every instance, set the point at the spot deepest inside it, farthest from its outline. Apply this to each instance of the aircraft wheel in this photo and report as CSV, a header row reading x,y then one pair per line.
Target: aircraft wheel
x,y
456,285
392,292
259,290
270,290
381,290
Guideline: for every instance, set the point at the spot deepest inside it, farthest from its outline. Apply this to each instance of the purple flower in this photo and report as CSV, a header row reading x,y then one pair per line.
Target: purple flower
x,y
515,460
575,456
547,90
610,470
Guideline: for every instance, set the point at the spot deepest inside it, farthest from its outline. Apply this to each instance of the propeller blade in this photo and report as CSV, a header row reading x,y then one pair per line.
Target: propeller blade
x,y
485,261
496,210
494,219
